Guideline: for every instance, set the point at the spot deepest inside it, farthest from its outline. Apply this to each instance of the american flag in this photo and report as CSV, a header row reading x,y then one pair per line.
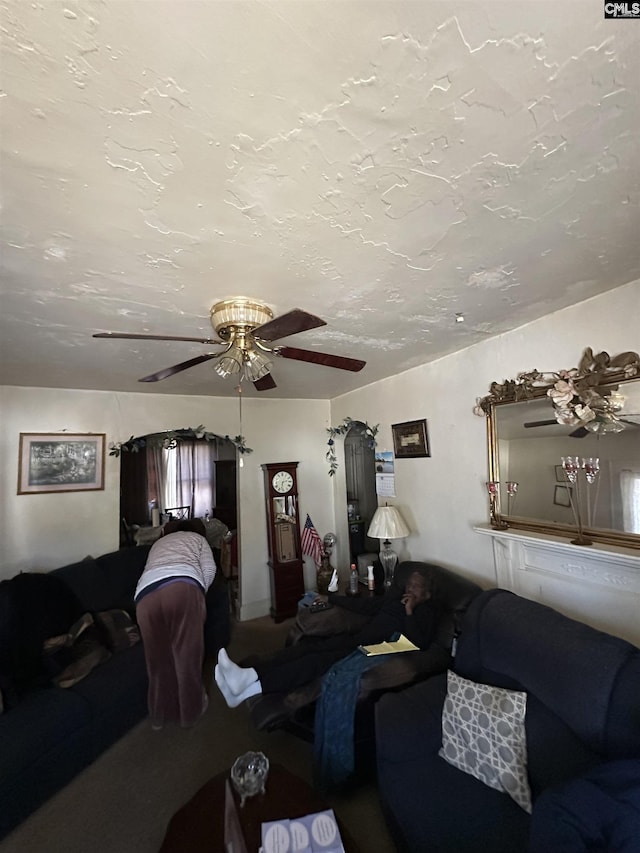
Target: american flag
x,y
311,541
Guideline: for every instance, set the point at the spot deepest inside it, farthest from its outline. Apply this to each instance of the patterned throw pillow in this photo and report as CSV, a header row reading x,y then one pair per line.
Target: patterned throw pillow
x,y
483,734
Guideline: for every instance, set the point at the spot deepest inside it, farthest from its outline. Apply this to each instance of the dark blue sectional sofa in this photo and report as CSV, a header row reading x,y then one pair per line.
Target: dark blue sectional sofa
x,y
48,734
582,718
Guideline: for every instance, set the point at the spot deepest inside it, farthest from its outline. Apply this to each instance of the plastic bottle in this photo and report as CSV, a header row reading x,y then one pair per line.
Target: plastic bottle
x,y
370,579
353,580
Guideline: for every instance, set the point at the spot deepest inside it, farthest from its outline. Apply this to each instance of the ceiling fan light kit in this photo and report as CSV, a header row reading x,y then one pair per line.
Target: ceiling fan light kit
x,y
229,363
256,365
233,320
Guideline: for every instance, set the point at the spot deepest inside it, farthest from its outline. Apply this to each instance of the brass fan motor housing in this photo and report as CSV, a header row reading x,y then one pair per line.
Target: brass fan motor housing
x,y
238,317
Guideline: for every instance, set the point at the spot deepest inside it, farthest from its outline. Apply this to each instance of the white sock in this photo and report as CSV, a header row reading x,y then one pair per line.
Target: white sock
x,y
237,678
233,699
224,660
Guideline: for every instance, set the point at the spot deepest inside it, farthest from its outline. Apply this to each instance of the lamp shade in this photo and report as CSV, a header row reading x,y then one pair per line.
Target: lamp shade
x,y
387,523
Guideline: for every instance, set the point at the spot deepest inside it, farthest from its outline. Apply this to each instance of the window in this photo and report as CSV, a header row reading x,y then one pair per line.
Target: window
x,y
189,476
630,488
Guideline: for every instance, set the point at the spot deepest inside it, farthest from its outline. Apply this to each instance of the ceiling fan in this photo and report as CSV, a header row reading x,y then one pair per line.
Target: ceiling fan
x,y
580,432
246,329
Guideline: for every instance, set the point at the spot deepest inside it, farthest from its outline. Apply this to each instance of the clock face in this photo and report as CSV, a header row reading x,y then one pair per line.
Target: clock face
x,y
282,482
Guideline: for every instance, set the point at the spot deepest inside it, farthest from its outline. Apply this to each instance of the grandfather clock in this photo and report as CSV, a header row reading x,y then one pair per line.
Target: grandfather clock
x,y
283,526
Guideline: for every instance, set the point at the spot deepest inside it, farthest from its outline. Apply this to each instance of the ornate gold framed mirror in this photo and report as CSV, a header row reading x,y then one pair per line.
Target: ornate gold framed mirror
x,y
564,450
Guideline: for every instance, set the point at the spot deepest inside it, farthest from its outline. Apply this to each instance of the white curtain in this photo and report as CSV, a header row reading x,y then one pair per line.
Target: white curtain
x,y
156,474
630,488
189,476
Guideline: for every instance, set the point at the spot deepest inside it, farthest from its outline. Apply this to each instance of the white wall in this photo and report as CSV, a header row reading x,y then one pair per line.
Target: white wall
x,y
444,496
44,531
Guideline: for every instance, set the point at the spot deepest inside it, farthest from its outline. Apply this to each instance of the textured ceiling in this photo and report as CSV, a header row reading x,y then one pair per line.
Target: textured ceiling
x,y
385,165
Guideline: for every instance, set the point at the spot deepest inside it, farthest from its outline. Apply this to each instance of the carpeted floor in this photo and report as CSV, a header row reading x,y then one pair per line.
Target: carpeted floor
x,y
123,802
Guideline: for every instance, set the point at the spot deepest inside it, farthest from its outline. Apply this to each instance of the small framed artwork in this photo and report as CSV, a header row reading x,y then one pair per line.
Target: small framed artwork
x,y
560,475
562,496
60,462
410,439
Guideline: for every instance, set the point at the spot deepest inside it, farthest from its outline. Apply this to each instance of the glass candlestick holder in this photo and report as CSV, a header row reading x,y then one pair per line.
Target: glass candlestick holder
x,y
572,466
512,490
493,488
591,468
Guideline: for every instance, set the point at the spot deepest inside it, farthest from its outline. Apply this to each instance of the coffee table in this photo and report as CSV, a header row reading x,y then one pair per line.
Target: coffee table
x,y
198,827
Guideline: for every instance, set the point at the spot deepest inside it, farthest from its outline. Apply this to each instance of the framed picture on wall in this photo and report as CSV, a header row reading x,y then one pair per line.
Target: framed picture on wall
x,y
60,462
410,439
560,475
562,496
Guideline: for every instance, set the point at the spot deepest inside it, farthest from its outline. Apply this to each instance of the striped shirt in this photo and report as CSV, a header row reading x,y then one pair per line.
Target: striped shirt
x,y
182,554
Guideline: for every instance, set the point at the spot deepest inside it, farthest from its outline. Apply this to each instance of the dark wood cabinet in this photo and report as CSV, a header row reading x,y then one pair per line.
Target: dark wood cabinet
x,y
283,532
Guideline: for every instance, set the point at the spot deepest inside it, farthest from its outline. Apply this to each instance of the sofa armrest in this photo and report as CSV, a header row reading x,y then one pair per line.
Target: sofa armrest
x,y
325,623
401,670
599,810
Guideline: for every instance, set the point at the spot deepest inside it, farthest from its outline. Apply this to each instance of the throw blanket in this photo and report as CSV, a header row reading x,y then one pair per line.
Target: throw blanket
x,y
335,712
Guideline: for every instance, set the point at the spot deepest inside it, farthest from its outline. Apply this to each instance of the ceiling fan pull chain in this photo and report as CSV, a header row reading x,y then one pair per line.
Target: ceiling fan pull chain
x,y
241,460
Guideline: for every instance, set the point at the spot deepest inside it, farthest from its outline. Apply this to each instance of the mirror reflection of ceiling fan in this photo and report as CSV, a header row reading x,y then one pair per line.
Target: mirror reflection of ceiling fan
x,y
581,431
246,330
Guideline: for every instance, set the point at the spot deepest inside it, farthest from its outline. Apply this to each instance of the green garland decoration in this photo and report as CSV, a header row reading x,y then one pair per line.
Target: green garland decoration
x,y
170,438
343,429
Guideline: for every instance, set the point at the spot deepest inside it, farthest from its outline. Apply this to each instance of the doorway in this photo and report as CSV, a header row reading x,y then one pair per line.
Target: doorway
x,y
362,500
205,479
205,482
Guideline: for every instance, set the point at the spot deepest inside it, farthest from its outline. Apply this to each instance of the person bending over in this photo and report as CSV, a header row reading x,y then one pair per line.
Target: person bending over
x,y
410,612
171,612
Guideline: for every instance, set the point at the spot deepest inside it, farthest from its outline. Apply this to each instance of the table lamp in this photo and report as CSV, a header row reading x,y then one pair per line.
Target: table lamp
x,y
386,524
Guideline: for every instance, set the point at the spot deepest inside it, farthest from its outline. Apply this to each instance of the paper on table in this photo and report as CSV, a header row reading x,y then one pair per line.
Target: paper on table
x,y
386,648
314,833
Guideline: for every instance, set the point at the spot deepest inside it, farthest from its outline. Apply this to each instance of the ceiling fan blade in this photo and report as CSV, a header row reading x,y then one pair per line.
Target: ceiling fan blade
x,y
132,337
324,358
265,383
287,324
580,432
176,368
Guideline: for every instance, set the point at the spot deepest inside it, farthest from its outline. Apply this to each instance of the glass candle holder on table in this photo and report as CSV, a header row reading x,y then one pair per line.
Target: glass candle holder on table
x,y
249,774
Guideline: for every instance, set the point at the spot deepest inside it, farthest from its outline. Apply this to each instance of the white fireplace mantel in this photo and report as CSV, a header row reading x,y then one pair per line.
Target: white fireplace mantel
x,y
597,584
